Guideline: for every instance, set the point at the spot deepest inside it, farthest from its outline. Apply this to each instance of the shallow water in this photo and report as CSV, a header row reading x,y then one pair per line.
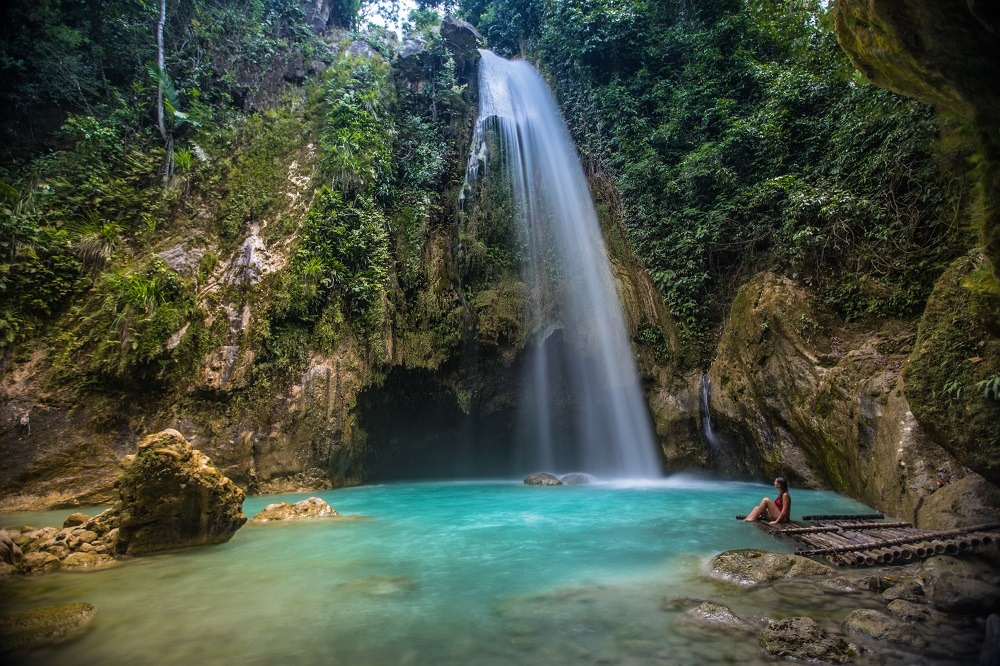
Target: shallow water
x,y
445,573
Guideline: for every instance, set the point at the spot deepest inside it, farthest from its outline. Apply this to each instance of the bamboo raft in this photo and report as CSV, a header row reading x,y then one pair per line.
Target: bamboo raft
x,y
866,540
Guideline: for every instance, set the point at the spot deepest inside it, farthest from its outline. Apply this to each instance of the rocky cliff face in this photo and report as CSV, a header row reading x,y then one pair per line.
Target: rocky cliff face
x,y
824,403
944,52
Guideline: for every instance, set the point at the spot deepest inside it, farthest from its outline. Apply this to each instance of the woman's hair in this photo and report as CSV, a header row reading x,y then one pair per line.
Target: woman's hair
x,y
782,484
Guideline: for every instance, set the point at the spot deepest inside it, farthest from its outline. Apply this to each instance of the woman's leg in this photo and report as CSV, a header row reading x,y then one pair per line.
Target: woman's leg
x,y
760,510
772,510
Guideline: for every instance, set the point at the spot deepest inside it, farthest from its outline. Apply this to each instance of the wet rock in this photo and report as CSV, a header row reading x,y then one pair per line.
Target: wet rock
x,y
76,519
10,552
172,496
542,479
577,478
35,538
717,616
39,562
312,507
880,582
908,591
910,611
44,626
878,625
81,560
103,522
957,595
7,570
753,567
838,585
802,638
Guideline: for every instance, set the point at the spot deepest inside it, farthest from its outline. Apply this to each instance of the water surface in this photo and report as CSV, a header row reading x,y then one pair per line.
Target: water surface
x,y
442,573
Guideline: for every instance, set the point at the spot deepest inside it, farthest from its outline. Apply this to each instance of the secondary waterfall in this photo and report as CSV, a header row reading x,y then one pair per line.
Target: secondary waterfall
x,y
581,407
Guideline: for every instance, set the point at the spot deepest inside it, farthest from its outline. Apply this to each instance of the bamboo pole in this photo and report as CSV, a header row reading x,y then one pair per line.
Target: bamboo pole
x,y
845,516
917,538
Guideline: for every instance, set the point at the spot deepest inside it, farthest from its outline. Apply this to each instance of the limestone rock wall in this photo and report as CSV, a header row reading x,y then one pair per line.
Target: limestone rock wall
x,y
824,404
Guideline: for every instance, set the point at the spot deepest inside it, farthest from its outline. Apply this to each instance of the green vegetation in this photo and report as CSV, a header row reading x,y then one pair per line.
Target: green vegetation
x,y
740,138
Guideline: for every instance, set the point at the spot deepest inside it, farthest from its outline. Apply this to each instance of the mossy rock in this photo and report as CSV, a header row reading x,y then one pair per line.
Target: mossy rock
x,y
44,626
878,625
751,567
956,355
542,479
802,638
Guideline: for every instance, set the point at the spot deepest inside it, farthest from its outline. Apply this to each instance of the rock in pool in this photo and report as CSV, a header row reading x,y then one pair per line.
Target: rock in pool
x,y
542,479
753,567
577,478
172,496
718,616
312,507
802,638
877,624
44,626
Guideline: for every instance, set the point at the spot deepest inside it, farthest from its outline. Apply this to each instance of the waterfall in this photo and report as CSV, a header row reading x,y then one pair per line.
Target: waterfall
x,y
707,427
581,406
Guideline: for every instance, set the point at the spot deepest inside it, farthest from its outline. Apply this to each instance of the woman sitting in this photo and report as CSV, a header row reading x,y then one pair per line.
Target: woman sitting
x,y
779,510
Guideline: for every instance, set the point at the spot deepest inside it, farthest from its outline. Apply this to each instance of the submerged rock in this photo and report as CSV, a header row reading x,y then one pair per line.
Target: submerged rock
x,y
312,507
909,590
542,479
172,496
909,610
577,478
718,616
44,626
753,567
878,625
803,638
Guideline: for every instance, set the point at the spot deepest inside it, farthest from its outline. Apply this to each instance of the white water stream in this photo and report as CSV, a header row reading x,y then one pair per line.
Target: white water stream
x,y
582,408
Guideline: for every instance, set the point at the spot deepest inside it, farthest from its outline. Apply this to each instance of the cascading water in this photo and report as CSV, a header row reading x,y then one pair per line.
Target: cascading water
x,y
707,427
581,404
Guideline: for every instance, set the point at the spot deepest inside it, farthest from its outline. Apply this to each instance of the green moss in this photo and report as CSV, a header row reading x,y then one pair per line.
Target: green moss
x,y
957,349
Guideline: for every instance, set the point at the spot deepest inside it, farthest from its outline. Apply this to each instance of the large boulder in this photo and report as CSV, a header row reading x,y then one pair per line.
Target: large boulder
x,y
312,507
173,497
44,626
751,567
